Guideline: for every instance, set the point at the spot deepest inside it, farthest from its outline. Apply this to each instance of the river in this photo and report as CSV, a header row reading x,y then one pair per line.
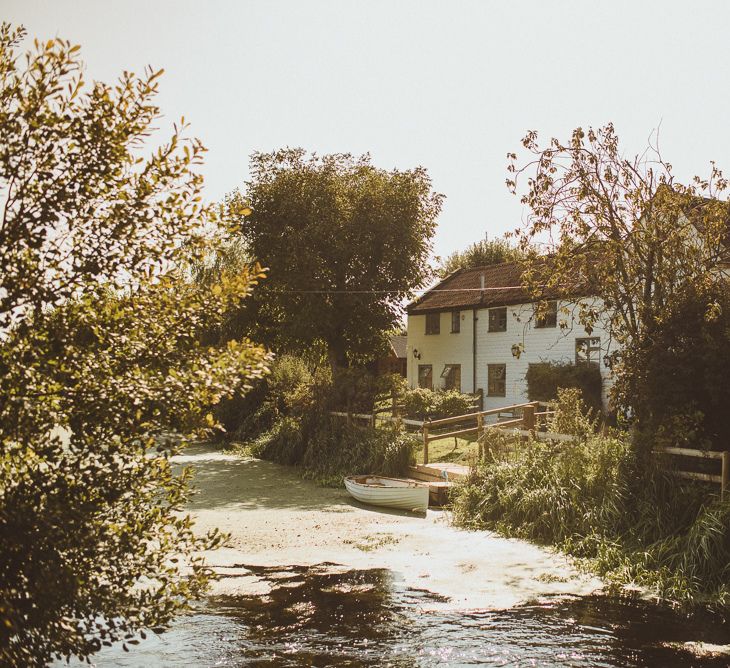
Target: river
x,y
313,579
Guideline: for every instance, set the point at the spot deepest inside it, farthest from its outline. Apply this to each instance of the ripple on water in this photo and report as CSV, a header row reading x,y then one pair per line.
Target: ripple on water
x,y
316,617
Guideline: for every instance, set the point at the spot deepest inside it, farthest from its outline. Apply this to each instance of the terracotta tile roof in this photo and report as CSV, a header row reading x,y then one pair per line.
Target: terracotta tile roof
x,y
462,289
399,345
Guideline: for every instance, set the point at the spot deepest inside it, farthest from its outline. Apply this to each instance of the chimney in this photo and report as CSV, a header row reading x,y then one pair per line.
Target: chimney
x,y
481,296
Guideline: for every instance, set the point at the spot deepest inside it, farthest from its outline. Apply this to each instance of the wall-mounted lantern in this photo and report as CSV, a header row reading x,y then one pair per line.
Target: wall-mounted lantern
x,y
416,354
517,349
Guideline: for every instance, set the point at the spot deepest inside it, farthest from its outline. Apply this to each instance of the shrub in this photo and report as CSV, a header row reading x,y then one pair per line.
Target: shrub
x,y
421,403
284,443
677,377
571,415
290,389
594,500
300,430
545,378
337,449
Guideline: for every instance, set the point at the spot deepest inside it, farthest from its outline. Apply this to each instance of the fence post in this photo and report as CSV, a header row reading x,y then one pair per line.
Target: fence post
x,y
480,432
725,475
425,442
528,417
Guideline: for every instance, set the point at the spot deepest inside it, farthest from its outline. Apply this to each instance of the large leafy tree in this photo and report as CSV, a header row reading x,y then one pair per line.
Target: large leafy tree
x,y
101,357
345,242
620,228
481,254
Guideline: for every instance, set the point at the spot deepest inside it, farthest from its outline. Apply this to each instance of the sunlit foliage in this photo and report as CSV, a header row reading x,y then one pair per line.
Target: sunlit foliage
x,y
102,367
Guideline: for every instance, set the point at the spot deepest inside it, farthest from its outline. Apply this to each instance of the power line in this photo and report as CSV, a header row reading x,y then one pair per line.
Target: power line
x,y
371,292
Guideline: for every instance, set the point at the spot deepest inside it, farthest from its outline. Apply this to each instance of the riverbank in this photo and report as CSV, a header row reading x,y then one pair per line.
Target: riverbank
x,y
277,519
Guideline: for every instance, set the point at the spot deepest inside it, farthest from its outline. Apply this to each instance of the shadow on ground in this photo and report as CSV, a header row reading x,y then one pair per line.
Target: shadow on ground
x,y
226,481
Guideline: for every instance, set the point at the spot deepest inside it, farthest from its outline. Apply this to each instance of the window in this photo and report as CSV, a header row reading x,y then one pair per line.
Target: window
x,y
550,317
455,322
452,377
425,376
433,323
498,319
588,351
496,380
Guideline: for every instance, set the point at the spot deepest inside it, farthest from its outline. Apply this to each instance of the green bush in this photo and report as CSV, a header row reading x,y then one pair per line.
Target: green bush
x,y
571,415
284,443
595,500
337,449
545,378
289,390
421,403
677,376
297,428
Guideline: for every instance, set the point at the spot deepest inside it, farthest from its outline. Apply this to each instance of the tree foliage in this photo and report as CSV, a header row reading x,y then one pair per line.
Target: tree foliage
x,y
684,361
346,243
100,357
620,228
481,254
546,379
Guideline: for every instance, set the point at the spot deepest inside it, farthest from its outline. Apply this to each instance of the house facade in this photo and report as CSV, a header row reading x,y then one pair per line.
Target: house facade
x,y
478,330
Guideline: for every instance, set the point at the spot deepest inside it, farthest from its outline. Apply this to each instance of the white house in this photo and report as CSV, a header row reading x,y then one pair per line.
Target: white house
x,y
477,330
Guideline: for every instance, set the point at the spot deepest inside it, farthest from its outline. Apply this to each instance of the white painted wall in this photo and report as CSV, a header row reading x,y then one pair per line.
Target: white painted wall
x,y
441,349
539,345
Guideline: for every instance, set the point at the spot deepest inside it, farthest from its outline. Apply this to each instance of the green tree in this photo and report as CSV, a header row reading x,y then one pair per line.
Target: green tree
x,y
345,242
685,363
480,254
620,228
101,357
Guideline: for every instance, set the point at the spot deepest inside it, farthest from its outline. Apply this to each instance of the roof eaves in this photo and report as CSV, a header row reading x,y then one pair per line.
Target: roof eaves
x,y
418,300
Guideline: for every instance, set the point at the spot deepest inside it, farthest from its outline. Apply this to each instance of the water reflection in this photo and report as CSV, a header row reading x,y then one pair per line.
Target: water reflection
x,y
321,617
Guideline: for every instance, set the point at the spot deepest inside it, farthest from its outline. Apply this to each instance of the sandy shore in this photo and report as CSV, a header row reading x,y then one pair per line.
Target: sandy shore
x,y
277,519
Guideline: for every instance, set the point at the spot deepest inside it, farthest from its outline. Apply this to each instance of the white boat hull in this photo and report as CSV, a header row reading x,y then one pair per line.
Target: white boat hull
x,y
388,492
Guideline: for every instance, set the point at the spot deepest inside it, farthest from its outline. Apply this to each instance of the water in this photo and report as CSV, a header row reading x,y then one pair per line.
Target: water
x,y
317,617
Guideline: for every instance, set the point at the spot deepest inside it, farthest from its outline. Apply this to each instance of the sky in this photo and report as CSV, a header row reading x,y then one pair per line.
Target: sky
x,y
452,86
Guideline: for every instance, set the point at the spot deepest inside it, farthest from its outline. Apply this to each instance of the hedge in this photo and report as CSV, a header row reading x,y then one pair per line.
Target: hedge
x,y
544,379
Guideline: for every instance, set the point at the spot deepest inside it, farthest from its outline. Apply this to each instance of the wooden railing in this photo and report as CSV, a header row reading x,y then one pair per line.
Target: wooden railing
x,y
723,479
528,422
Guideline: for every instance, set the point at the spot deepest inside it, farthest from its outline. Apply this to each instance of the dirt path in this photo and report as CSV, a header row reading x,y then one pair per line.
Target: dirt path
x,y
277,519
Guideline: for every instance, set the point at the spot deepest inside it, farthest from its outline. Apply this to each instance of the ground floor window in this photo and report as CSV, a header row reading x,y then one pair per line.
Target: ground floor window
x,y
452,377
425,376
588,350
496,380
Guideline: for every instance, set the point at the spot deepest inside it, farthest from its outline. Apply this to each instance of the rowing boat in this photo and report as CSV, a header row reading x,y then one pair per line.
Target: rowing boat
x,y
388,492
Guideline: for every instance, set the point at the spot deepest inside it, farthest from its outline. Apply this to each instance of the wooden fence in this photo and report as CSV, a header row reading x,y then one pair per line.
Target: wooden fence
x,y
724,457
529,423
469,423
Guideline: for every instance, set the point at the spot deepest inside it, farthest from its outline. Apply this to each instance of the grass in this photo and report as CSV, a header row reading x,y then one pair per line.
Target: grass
x,y
455,450
634,524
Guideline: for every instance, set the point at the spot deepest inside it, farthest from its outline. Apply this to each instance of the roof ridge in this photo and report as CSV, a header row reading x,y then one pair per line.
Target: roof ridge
x,y
491,266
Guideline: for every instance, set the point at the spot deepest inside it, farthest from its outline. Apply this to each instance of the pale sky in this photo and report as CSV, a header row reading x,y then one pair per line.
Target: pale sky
x,y
452,86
